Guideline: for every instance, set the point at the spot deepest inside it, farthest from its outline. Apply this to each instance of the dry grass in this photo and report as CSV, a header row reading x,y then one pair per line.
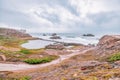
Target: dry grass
x,y
89,55
69,69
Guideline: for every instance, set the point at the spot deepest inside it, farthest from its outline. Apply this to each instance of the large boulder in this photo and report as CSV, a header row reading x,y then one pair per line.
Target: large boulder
x,y
55,36
108,44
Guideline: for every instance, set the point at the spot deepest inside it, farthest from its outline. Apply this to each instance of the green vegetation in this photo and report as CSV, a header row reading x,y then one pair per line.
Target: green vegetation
x,y
22,78
11,41
40,60
25,78
114,57
25,51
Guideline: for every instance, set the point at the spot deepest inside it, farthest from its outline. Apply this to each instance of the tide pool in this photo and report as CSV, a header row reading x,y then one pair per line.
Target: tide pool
x,y
36,44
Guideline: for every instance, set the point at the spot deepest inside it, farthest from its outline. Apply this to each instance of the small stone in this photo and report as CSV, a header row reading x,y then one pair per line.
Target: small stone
x,y
75,75
83,68
2,58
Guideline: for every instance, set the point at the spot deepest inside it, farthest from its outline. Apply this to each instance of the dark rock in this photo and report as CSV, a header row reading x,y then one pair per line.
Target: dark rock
x,y
89,35
55,37
44,34
54,34
55,46
83,68
72,44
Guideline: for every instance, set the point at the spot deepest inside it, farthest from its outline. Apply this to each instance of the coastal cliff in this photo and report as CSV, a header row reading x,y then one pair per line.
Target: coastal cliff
x,y
108,44
14,33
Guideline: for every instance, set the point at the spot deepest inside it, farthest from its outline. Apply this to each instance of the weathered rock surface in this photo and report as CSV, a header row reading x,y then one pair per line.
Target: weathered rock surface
x,y
108,44
73,44
89,64
117,64
13,33
3,74
55,46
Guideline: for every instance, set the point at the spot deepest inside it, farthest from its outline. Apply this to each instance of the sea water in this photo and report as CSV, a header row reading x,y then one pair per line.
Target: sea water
x,y
65,37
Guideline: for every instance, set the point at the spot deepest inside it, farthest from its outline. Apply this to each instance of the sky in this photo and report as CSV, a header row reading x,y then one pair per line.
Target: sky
x,y
62,16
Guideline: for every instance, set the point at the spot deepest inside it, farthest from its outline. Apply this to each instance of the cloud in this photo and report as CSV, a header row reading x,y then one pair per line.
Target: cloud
x,y
79,16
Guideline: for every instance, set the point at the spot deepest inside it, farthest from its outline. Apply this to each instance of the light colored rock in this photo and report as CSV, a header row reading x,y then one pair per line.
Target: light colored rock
x,y
108,44
2,58
114,79
117,64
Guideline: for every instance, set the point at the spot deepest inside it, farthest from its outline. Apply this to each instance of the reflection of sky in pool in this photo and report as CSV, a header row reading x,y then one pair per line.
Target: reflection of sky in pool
x,y
36,44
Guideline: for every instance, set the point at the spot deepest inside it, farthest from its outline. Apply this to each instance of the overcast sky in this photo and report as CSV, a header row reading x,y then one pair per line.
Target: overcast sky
x,y
78,16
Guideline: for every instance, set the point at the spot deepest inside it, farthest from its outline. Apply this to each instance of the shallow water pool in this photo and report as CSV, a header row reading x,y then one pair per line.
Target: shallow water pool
x,y
36,44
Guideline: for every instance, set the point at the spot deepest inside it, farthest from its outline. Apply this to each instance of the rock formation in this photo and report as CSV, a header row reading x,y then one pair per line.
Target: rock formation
x,y
55,46
89,35
55,36
108,44
13,33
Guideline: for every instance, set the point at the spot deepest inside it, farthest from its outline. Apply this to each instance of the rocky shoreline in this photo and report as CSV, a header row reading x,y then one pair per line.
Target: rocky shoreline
x,y
79,62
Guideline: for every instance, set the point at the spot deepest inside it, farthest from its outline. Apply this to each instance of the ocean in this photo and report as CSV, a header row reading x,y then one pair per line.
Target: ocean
x,y
70,38
65,37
